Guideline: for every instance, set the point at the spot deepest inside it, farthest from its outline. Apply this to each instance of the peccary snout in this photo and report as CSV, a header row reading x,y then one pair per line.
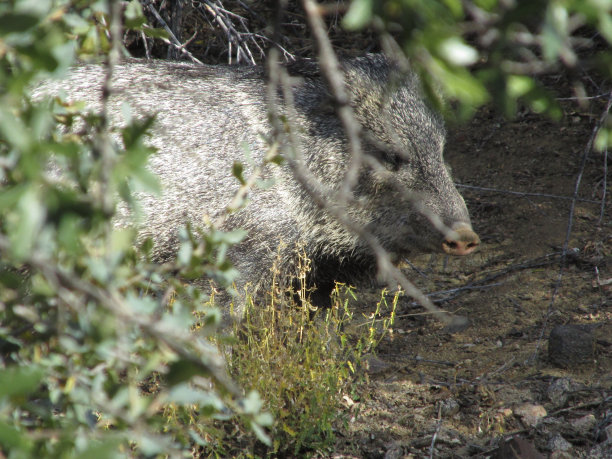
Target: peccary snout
x,y
461,241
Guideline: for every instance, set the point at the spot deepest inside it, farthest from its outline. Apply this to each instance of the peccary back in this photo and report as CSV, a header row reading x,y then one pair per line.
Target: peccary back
x,y
207,116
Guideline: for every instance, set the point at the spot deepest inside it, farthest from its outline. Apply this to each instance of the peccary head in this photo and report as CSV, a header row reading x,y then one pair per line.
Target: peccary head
x,y
409,201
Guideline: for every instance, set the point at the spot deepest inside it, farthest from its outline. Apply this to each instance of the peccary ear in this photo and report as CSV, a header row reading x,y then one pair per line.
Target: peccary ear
x,y
308,68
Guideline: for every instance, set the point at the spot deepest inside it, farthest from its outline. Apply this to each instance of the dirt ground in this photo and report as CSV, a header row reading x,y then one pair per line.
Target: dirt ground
x,y
432,394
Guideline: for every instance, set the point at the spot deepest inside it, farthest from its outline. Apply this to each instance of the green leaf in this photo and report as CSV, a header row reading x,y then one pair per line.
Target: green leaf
x,y
16,22
233,237
262,436
237,171
185,394
182,370
27,223
456,52
107,448
20,380
519,85
155,33
13,440
358,15
252,403
604,25
13,130
134,17
487,5
603,139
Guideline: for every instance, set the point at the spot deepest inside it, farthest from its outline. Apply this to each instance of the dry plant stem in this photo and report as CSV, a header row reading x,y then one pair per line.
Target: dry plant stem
x,y
604,186
175,42
435,435
105,145
146,45
331,71
220,15
177,19
585,155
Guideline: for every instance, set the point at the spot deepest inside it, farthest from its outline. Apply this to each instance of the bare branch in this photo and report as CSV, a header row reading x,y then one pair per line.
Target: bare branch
x,y
524,193
331,71
174,41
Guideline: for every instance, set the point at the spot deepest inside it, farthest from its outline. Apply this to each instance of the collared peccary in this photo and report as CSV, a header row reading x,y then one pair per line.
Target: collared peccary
x,y
208,116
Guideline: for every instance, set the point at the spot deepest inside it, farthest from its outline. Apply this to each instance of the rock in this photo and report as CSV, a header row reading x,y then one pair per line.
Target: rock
x,y
517,448
584,425
601,451
558,391
558,443
561,455
530,415
449,407
394,451
571,345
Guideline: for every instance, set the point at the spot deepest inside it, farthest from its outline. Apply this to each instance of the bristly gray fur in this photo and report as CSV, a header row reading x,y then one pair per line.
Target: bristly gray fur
x,y
205,115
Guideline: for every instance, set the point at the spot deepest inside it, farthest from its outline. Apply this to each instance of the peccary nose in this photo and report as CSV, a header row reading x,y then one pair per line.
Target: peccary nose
x,y
461,241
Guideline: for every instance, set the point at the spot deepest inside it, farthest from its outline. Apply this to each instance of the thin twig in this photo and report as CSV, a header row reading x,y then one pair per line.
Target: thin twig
x,y
331,71
105,146
174,41
435,435
524,193
604,186
223,18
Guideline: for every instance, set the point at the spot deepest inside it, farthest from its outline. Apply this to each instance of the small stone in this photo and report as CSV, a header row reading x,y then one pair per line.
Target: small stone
x,y
449,407
558,443
558,391
517,448
571,345
584,425
394,451
607,434
561,455
530,415
600,451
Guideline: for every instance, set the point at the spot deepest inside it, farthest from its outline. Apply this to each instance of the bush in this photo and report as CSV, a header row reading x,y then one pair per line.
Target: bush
x,y
91,353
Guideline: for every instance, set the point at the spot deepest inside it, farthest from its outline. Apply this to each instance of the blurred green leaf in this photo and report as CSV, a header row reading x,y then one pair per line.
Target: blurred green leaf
x,y
13,440
155,33
16,23
358,15
238,171
181,371
20,380
603,140
134,17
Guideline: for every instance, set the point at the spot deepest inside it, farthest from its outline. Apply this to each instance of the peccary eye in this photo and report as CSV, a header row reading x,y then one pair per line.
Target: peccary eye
x,y
391,161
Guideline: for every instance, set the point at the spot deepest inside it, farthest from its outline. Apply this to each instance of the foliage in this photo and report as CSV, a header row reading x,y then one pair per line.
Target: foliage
x,y
482,49
303,367
90,351
94,355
